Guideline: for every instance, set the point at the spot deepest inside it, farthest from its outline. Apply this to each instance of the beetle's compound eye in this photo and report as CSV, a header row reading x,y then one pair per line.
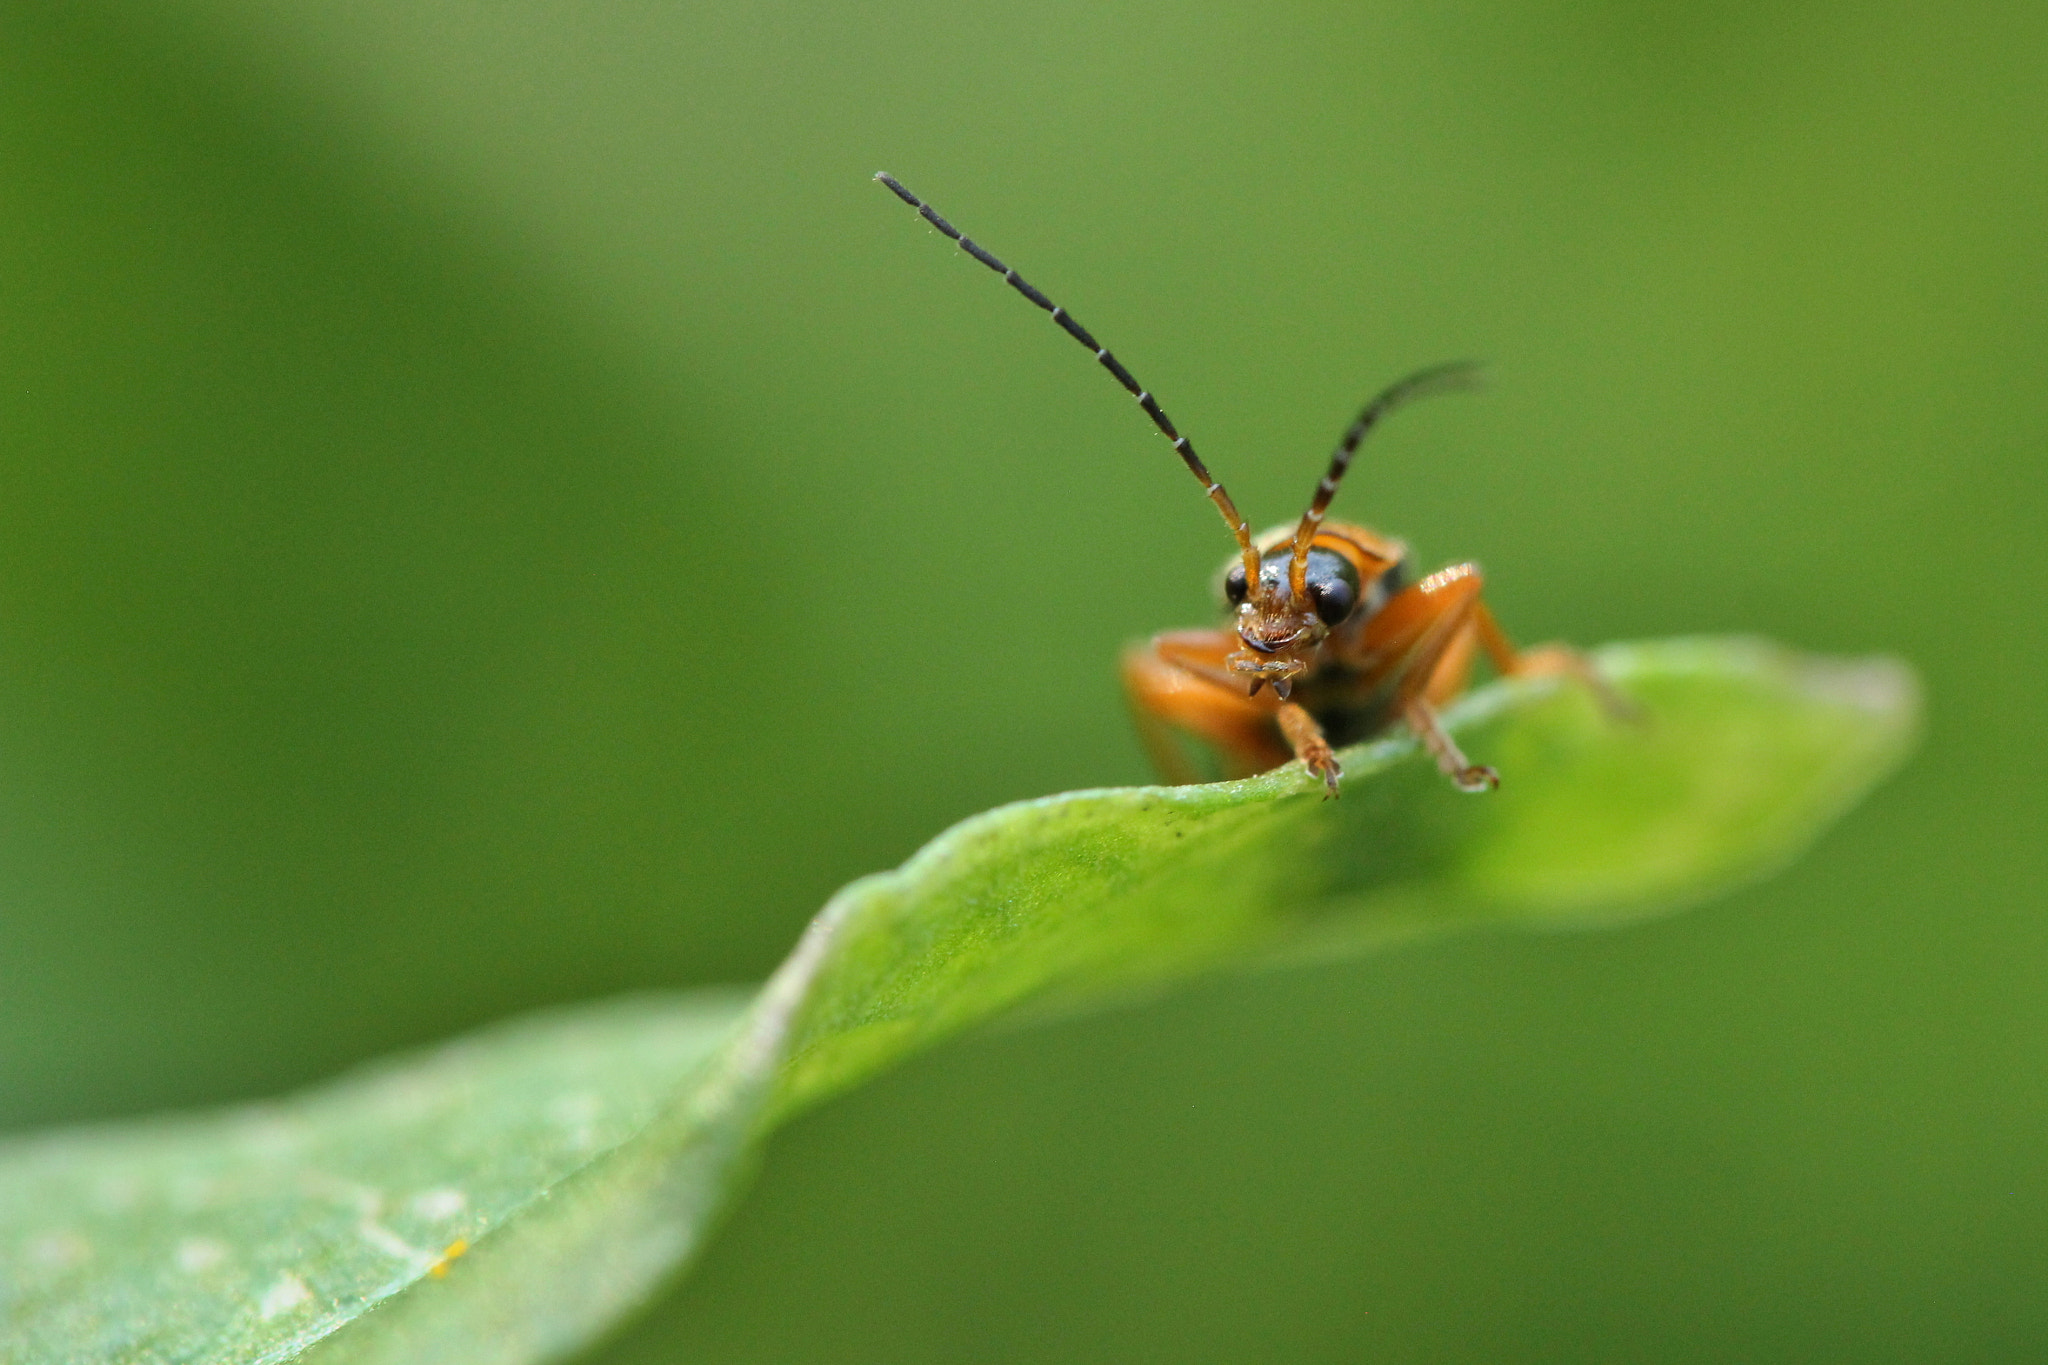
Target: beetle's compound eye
x,y
1334,599
1332,586
1234,585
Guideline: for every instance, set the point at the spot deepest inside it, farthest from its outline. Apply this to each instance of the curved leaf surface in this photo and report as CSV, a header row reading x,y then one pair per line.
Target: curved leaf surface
x,y
509,1196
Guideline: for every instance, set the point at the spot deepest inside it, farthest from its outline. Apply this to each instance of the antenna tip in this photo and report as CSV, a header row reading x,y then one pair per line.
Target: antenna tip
x,y
895,187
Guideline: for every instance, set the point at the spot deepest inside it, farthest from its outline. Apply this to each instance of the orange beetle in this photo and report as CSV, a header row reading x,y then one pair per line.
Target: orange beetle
x,y
1331,644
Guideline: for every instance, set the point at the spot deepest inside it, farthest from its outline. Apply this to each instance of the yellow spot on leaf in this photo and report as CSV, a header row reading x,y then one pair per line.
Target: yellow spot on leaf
x,y
451,1252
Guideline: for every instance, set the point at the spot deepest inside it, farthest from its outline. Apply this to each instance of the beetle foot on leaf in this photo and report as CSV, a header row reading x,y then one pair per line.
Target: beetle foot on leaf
x,y
1476,778
1325,766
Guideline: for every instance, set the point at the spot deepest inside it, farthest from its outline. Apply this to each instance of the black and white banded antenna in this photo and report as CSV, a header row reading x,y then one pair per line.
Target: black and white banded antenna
x,y
1181,445
1451,378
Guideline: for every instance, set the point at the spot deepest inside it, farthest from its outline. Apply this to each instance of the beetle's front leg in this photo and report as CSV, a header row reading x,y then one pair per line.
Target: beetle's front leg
x,y
1425,638
1178,683
1306,738
1466,775
1182,681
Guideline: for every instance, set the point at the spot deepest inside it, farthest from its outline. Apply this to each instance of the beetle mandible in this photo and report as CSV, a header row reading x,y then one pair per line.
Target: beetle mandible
x,y
1330,642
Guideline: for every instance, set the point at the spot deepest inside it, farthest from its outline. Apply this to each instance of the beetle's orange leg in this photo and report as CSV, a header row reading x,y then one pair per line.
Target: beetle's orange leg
x,y
1421,642
1453,669
1424,639
1453,623
1546,661
1405,639
1179,682
1309,743
1450,759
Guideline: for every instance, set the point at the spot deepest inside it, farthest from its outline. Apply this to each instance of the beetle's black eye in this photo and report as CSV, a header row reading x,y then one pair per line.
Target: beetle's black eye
x,y
1234,585
1334,599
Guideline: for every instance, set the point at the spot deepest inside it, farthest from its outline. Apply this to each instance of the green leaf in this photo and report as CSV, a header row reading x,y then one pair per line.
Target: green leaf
x,y
507,1197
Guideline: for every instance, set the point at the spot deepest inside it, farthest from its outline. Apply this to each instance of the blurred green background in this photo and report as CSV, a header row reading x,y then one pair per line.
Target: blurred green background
x,y
496,509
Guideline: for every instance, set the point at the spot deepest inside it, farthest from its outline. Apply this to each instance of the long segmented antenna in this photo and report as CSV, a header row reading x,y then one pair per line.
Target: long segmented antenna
x,y
1181,445
1459,374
